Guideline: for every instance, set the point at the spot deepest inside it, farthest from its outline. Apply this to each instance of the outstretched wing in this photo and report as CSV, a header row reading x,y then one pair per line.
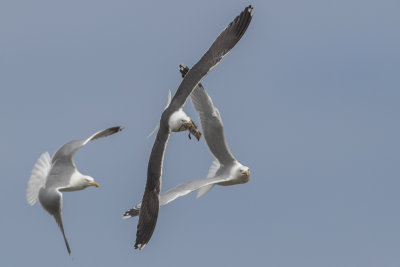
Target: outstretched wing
x,y
179,191
149,214
63,161
221,46
211,122
58,217
68,150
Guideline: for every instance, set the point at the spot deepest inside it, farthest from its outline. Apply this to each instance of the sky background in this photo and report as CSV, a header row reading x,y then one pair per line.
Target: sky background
x,y
309,98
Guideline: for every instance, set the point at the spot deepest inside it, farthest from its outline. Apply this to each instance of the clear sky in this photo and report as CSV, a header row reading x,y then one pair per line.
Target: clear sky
x,y
309,99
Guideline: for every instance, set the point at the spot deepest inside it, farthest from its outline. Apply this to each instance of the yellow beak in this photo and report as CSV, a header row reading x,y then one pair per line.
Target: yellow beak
x,y
95,184
247,173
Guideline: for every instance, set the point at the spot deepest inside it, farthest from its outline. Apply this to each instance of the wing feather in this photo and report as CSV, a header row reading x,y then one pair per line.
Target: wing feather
x,y
58,217
221,46
149,213
211,123
68,150
178,191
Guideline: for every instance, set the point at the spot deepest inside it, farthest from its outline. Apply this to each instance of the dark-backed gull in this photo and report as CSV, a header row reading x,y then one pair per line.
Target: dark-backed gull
x,y
173,117
225,170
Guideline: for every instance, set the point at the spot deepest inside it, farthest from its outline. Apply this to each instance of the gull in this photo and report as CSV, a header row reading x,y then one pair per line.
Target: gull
x,y
225,169
52,176
174,119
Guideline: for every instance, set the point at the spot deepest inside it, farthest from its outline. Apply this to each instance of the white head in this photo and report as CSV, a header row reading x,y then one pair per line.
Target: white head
x,y
79,182
88,181
243,173
179,121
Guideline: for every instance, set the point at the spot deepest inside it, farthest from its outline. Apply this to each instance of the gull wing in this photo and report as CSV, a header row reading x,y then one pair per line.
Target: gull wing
x,y
63,162
178,191
211,123
221,46
149,214
51,200
68,150
58,218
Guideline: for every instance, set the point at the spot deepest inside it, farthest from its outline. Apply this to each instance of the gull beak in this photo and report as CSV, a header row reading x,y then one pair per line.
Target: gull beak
x,y
193,130
247,172
95,184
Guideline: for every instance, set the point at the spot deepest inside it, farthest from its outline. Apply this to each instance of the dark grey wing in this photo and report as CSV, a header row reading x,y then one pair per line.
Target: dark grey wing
x,y
221,46
150,201
211,123
63,160
178,191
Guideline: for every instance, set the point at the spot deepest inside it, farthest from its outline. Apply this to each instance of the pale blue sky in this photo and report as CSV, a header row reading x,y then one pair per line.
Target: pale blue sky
x,y
310,102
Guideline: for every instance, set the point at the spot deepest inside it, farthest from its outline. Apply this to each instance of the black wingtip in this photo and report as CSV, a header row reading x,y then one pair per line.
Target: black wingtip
x,y
147,218
113,130
244,20
131,213
183,69
118,128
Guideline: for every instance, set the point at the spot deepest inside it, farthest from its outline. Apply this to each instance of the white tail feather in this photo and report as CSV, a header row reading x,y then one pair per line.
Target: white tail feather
x,y
211,174
158,125
38,177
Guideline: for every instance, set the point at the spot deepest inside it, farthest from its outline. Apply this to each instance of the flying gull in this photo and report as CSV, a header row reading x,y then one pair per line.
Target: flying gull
x,y
52,176
225,170
174,118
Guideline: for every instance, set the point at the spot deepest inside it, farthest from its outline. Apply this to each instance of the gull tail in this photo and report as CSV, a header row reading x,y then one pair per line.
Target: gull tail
x,y
158,125
211,174
38,177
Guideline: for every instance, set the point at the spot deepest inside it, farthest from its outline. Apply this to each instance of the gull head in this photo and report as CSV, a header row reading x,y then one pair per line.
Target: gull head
x,y
179,122
244,174
79,181
88,181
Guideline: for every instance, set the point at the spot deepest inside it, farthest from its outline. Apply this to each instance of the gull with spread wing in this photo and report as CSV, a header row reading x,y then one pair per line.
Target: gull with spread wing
x,y
174,119
52,176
